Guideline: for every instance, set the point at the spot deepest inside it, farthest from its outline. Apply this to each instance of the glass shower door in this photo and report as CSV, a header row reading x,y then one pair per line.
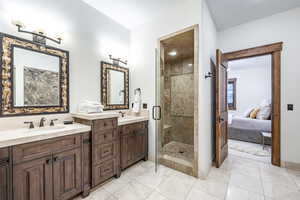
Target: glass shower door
x,y
157,109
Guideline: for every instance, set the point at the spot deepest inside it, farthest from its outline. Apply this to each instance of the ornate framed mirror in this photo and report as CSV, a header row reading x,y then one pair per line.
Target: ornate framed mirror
x,y
34,78
114,86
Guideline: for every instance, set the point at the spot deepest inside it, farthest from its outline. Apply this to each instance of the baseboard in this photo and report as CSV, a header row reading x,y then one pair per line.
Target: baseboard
x,y
290,165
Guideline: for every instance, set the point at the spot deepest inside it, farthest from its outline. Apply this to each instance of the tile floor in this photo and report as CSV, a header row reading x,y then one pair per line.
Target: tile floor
x,y
252,147
238,179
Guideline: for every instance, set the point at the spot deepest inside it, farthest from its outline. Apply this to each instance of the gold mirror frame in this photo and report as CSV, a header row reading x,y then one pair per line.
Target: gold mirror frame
x,y
7,107
104,86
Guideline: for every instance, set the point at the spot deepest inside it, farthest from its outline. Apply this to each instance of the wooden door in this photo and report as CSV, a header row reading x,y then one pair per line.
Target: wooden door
x,y
67,174
128,150
33,180
221,109
4,181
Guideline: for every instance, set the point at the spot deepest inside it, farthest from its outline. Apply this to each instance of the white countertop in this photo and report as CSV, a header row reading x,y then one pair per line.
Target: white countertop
x,y
131,119
94,116
22,136
128,119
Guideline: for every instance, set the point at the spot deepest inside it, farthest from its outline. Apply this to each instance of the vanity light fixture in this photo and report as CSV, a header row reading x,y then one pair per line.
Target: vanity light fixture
x,y
38,36
117,61
172,53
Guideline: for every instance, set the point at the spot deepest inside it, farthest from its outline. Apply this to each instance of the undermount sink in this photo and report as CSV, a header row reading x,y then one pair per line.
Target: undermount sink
x,y
47,128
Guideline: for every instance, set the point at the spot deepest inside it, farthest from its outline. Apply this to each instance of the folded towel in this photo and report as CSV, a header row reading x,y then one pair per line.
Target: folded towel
x,y
137,102
90,107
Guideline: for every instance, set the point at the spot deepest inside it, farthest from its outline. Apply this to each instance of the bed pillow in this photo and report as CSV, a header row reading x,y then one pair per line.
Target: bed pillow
x,y
248,112
253,114
264,113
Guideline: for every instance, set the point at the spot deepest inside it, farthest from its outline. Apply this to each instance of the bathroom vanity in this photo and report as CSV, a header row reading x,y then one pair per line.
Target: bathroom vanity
x,y
64,161
112,145
43,163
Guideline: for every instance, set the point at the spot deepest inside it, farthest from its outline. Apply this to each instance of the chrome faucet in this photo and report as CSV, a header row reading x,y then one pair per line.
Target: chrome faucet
x,y
43,119
122,113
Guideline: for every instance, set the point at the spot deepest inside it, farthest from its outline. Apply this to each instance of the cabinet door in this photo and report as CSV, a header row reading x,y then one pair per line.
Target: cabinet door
x,y
4,181
128,150
67,173
33,180
141,144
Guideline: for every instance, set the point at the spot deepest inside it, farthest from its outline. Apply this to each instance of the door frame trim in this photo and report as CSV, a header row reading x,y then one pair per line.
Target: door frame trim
x,y
195,28
275,51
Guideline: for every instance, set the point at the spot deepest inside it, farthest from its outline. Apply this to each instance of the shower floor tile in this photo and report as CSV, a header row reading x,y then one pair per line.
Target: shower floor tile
x,y
178,156
179,150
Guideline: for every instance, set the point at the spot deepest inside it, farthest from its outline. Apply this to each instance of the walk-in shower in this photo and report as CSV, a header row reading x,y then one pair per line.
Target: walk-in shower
x,y
177,81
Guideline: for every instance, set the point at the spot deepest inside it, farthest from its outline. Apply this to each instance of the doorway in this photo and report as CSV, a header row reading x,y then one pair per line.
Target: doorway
x,y
274,51
177,100
249,100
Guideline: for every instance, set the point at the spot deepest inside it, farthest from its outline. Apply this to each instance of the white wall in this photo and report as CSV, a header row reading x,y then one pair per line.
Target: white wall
x,y
208,33
88,35
280,27
142,56
253,83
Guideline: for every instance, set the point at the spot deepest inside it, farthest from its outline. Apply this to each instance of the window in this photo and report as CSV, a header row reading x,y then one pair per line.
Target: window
x,y
231,94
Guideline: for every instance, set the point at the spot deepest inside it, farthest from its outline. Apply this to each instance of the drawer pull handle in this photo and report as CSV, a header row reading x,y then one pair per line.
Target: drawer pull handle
x,y
49,161
106,170
104,136
106,151
104,124
55,159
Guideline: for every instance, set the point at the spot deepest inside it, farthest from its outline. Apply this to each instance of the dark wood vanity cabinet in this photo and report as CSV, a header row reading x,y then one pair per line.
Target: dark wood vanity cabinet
x,y
5,174
48,170
104,150
134,143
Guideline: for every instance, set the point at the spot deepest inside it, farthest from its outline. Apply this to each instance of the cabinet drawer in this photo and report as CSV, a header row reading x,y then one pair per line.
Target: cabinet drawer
x,y
99,125
105,136
104,171
39,149
4,155
104,152
132,128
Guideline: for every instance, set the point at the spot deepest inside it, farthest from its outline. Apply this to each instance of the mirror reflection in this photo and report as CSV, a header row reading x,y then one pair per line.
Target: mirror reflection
x,y
36,78
115,87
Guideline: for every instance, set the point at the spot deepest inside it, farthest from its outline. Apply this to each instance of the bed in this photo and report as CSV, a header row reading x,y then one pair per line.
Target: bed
x,y
248,130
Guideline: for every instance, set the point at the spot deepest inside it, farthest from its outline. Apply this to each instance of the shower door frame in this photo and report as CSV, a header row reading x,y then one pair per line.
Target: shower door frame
x,y
158,88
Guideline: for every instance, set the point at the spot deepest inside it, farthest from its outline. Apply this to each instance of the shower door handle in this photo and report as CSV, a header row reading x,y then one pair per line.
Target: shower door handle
x,y
154,114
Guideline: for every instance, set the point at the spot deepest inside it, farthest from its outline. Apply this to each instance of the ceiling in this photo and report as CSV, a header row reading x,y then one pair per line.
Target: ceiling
x,y
132,13
226,13
229,13
183,44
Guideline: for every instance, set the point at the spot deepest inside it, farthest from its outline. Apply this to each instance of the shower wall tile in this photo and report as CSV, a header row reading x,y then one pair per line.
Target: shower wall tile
x,y
182,95
179,101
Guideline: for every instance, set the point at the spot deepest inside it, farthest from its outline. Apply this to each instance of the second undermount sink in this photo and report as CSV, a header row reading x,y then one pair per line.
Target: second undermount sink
x,y
127,119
